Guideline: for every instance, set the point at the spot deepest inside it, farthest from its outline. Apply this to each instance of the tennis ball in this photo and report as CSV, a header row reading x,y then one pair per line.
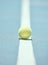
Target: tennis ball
x,y
25,33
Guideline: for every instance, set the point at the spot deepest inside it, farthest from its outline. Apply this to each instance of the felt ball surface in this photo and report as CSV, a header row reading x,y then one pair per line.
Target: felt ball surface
x,y
25,33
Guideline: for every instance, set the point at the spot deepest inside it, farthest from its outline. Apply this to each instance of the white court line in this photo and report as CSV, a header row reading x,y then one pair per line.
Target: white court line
x,y
25,14
25,53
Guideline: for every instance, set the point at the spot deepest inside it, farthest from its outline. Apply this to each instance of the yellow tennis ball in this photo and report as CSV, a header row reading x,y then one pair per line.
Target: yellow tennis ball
x,y
25,33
